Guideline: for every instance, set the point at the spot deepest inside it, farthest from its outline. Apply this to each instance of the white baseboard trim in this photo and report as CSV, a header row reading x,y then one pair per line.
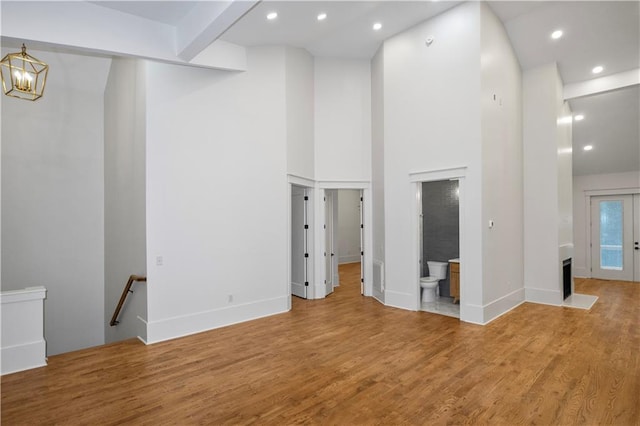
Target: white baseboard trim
x,y
24,357
400,300
378,295
473,314
172,328
348,259
145,327
483,315
504,304
543,296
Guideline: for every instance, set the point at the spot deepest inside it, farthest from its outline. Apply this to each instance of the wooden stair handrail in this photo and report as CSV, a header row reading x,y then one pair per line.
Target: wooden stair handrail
x,y
125,292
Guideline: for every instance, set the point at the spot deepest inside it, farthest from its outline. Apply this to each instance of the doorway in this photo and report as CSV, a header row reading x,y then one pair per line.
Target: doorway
x,y
343,235
615,237
439,236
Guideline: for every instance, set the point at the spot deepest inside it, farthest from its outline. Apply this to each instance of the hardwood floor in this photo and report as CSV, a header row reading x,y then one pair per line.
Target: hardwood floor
x,y
349,360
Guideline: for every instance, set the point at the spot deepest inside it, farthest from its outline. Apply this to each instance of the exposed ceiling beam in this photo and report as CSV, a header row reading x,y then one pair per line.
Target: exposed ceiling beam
x,y
603,84
83,26
206,22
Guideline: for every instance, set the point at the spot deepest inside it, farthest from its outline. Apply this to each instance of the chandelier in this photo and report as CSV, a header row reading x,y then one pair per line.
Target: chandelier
x,y
23,76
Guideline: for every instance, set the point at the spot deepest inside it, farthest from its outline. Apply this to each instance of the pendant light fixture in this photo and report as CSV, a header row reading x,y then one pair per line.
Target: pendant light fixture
x,y
23,76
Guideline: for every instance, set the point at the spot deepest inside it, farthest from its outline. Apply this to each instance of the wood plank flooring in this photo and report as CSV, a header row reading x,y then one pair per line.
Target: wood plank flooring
x,y
348,360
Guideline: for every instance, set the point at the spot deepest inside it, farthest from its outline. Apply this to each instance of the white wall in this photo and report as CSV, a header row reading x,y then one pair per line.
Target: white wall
x,y
299,98
216,195
545,182
377,168
431,122
348,225
342,111
124,197
502,176
629,181
565,179
52,198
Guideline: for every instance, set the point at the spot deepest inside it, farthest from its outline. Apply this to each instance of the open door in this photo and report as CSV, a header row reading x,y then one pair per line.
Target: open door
x,y
299,242
329,253
361,242
636,237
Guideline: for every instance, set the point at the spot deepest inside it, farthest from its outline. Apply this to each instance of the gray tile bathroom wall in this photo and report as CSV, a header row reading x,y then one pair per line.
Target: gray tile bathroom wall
x,y
441,226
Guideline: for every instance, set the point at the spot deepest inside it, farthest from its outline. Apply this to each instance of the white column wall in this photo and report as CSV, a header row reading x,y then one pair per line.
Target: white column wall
x,y
124,197
543,138
565,179
432,122
53,199
216,195
502,174
300,100
377,169
342,113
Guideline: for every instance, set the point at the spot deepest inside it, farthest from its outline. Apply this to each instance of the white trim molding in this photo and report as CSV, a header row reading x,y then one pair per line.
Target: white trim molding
x,y
344,184
23,344
400,300
172,328
301,181
543,296
438,174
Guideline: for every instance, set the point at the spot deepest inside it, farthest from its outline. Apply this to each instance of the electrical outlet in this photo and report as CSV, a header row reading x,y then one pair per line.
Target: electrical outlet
x,y
230,298
159,261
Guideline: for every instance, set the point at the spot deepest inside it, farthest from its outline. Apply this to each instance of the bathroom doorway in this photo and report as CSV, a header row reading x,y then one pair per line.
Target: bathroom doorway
x,y
439,262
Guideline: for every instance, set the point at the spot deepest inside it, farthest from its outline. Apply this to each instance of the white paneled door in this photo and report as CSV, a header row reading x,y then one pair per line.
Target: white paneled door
x,y
299,252
636,237
613,238
329,241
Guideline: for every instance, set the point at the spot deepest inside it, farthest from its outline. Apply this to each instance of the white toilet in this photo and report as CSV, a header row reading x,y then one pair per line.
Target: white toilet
x,y
437,271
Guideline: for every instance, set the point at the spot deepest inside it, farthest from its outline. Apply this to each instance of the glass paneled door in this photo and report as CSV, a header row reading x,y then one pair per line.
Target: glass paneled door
x,y
612,237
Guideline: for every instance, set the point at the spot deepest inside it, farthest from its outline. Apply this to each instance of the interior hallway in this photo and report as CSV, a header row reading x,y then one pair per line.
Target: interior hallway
x,y
348,359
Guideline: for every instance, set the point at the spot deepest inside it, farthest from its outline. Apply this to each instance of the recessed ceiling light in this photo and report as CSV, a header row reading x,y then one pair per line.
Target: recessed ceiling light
x,y
377,26
588,147
272,15
556,34
322,17
579,117
598,69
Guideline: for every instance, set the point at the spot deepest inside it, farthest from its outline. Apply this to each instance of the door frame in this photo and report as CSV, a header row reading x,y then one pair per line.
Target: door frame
x,y
367,233
416,179
329,241
587,218
635,201
309,187
299,195
628,270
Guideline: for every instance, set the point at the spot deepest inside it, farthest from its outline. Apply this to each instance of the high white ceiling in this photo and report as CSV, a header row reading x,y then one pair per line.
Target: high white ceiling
x,y
167,12
611,126
346,32
603,33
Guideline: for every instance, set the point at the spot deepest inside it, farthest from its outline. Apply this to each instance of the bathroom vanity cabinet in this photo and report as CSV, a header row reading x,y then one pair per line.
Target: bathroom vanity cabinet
x,y
454,280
